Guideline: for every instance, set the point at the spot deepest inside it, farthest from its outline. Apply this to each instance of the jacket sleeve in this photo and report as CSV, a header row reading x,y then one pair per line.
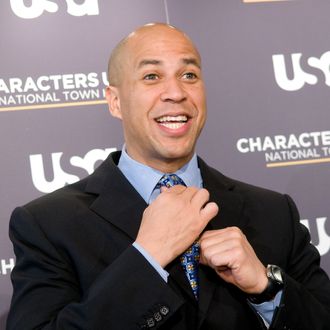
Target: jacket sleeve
x,y
128,294
305,303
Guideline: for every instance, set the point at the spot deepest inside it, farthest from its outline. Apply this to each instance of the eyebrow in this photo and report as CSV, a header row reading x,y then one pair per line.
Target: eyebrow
x,y
148,62
186,61
192,61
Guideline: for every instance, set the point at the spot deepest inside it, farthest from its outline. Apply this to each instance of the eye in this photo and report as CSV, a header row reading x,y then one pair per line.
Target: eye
x,y
190,75
151,76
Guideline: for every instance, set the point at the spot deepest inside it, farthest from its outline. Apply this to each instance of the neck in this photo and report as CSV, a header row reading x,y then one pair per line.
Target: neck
x,y
170,165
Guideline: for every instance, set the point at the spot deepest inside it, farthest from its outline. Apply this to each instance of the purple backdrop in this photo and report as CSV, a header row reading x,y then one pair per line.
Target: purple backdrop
x,y
266,66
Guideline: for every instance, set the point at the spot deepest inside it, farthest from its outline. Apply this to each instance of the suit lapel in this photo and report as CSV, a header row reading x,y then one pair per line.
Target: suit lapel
x,y
117,201
230,208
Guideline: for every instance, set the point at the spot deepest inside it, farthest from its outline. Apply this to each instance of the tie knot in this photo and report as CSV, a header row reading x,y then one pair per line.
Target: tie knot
x,y
169,180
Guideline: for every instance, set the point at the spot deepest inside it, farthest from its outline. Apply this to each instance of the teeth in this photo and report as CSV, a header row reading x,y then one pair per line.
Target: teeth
x,y
172,119
172,125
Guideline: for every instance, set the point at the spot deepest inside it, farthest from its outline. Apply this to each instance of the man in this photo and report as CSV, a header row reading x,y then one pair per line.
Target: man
x,y
105,253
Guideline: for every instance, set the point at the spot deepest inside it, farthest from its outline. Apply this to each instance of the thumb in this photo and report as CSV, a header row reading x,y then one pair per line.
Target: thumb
x,y
163,188
209,211
202,259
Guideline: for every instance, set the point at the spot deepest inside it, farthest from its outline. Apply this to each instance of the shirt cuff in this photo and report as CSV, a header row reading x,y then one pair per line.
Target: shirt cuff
x,y
161,271
266,310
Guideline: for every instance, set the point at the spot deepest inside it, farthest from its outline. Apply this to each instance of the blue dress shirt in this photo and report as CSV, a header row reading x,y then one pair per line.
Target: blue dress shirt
x,y
144,179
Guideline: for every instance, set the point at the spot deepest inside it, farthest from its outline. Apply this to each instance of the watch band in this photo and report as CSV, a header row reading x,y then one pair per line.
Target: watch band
x,y
275,284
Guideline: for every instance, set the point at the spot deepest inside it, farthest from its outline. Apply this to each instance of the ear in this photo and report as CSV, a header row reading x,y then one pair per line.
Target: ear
x,y
112,97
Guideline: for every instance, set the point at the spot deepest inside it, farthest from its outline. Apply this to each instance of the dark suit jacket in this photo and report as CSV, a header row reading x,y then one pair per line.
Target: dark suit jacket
x,y
76,267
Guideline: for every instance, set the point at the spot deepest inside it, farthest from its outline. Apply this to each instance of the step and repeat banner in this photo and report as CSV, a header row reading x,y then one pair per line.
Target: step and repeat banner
x,y
267,71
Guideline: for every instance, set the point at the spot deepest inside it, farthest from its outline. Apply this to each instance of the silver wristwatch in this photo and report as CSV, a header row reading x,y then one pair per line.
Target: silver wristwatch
x,y
275,284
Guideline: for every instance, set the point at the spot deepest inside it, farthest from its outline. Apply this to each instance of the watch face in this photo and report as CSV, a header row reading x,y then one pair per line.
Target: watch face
x,y
275,284
274,272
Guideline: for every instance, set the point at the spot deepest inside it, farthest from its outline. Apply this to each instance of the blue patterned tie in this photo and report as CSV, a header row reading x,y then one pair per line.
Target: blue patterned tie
x,y
190,258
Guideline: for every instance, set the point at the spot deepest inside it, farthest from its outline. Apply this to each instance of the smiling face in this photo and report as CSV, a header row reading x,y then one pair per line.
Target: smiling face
x,y
159,96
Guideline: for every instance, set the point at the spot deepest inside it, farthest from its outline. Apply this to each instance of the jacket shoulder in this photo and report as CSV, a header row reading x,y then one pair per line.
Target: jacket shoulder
x,y
214,176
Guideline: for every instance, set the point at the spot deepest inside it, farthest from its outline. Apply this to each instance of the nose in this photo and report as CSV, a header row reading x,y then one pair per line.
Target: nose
x,y
173,91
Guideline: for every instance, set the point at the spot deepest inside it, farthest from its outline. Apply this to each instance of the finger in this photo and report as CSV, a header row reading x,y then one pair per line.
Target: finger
x,y
200,198
221,239
229,232
214,247
202,259
177,189
216,258
222,259
211,238
163,189
211,233
208,212
187,193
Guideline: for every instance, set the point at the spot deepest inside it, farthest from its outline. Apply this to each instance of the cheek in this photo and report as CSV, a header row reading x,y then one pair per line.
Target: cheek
x,y
201,108
197,94
134,116
140,107
128,104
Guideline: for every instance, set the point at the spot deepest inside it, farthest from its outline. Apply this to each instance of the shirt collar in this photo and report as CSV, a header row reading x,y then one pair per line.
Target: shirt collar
x,y
144,178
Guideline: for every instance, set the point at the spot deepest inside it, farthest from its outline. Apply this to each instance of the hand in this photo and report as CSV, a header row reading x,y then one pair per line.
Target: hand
x,y
173,221
230,254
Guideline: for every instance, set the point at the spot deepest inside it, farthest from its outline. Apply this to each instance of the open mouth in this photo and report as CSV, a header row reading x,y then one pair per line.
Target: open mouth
x,y
172,122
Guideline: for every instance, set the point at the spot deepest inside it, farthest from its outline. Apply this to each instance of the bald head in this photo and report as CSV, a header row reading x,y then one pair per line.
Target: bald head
x,y
122,52
157,91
